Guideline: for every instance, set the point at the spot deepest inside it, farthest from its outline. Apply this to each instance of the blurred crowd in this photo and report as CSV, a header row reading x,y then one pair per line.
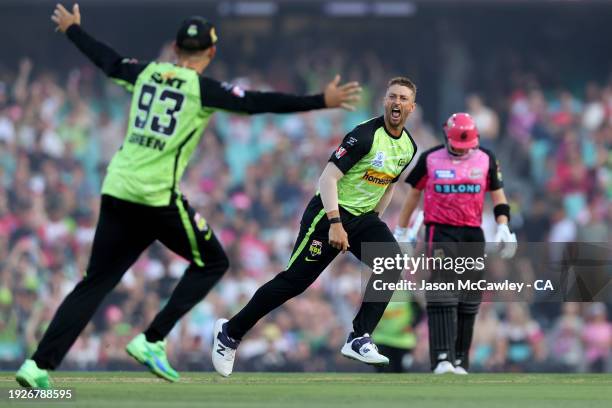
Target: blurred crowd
x,y
251,178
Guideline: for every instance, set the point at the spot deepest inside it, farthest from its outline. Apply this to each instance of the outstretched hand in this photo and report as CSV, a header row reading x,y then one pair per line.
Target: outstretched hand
x,y
342,96
64,19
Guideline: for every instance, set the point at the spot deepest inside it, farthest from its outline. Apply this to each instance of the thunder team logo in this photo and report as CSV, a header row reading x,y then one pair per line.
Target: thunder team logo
x,y
315,248
379,160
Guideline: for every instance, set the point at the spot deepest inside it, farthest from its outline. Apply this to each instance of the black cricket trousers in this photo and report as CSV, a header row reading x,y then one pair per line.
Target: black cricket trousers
x,y
311,255
452,313
123,232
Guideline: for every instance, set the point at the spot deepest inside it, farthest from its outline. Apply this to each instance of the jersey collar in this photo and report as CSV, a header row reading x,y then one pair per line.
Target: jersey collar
x,y
384,125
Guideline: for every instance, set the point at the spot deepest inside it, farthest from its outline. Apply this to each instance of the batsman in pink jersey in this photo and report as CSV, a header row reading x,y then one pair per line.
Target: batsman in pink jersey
x,y
455,177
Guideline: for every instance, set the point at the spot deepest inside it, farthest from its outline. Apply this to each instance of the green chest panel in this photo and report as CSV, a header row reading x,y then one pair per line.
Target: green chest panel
x,y
362,187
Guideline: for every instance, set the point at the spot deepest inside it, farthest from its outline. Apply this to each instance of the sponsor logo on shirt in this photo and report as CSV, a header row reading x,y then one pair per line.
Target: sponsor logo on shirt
x,y
444,174
475,173
377,178
340,151
351,141
379,160
462,188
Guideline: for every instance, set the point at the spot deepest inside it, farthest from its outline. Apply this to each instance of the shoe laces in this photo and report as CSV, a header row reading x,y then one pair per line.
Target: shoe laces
x,y
365,339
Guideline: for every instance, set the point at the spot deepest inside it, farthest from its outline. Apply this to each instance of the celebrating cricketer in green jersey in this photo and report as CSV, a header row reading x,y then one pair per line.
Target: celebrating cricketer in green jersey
x,y
141,201
354,190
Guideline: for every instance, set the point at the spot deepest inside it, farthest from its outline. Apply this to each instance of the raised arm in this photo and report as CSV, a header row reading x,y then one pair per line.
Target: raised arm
x,y
229,97
104,57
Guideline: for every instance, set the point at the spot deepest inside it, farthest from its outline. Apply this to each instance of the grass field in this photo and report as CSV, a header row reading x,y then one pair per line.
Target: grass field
x,y
254,390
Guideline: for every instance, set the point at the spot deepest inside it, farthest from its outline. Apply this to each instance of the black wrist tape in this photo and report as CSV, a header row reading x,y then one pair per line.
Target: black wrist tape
x,y
502,209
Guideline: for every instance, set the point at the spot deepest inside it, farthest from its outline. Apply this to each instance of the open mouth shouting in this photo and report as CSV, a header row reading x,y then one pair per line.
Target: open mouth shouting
x,y
396,114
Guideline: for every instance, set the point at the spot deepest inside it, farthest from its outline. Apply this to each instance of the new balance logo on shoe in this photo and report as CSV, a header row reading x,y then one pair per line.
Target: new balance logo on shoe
x,y
221,349
362,349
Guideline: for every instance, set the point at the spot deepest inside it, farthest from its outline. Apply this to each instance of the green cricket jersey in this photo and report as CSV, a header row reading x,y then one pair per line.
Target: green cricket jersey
x,y
164,127
170,108
371,159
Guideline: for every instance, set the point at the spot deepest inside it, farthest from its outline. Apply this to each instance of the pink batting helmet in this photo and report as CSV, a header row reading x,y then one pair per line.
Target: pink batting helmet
x,y
461,131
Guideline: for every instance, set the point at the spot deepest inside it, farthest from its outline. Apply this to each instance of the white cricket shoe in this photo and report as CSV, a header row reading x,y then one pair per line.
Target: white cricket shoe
x,y
224,349
444,367
364,350
460,371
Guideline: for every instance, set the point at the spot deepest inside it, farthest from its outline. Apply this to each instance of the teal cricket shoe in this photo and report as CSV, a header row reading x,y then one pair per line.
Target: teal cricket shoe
x,y
30,376
153,355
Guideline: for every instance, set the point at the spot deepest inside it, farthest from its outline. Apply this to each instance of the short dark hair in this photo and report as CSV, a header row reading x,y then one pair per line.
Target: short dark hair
x,y
403,81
